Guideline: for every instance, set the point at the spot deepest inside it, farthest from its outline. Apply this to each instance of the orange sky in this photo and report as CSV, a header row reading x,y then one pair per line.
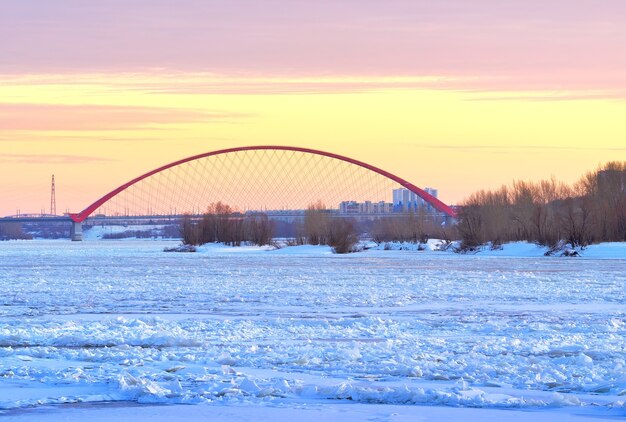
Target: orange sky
x,y
451,98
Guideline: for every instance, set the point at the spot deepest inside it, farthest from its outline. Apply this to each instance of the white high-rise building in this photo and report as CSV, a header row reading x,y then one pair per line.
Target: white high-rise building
x,y
404,200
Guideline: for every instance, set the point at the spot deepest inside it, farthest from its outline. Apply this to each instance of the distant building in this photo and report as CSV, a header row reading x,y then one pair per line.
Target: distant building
x,y
405,200
367,207
402,199
433,192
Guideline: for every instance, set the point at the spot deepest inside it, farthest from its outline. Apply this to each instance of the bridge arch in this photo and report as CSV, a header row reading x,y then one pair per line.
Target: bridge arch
x,y
102,202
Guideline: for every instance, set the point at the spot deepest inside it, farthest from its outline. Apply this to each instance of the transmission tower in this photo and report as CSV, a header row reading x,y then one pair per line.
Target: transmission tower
x,y
53,199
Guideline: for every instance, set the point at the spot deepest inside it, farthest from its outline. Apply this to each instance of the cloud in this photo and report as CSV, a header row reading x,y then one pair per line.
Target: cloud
x,y
476,87
59,117
99,137
295,86
50,159
583,95
161,82
506,148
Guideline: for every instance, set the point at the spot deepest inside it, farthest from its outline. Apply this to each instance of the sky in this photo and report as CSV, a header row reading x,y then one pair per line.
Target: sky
x,y
455,95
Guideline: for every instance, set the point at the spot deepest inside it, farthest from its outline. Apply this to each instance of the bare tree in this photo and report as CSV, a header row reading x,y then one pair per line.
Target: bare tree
x,y
258,229
316,222
189,231
594,209
11,231
471,226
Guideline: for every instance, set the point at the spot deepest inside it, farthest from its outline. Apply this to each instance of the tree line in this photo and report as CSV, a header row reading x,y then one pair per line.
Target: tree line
x,y
549,212
221,224
10,231
318,226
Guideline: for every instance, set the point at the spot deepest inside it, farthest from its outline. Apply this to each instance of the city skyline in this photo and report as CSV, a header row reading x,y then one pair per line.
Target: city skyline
x,y
446,94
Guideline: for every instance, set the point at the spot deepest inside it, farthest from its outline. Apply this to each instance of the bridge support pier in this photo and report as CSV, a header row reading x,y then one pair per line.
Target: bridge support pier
x,y
76,233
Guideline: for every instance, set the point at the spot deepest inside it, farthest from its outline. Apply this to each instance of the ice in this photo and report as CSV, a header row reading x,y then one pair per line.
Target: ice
x,y
121,321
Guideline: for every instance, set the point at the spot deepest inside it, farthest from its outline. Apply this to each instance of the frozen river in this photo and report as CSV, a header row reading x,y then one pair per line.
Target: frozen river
x,y
109,321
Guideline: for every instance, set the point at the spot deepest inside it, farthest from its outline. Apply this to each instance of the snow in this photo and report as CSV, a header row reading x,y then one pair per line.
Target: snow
x,y
608,250
303,412
615,250
97,232
264,333
304,250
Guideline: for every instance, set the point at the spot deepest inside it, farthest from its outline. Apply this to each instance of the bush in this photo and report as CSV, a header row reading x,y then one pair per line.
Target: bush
x,y
342,235
320,227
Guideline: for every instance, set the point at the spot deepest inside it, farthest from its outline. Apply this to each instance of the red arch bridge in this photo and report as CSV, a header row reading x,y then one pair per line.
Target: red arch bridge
x,y
280,181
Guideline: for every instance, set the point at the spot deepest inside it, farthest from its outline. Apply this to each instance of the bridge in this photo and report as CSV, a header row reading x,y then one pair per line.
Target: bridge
x,y
270,179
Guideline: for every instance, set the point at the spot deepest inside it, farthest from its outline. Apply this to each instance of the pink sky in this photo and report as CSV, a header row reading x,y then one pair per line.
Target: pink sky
x,y
524,44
